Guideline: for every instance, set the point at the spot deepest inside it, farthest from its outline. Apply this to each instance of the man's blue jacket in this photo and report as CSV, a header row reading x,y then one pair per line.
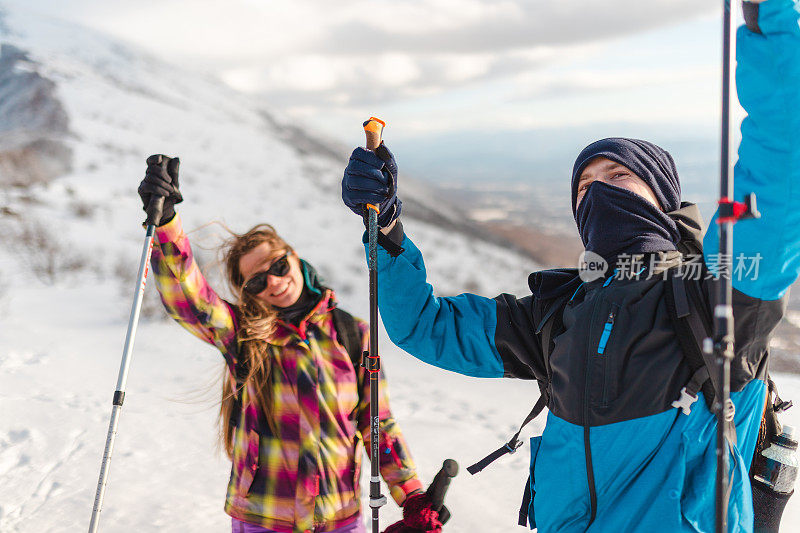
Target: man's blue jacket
x,y
615,455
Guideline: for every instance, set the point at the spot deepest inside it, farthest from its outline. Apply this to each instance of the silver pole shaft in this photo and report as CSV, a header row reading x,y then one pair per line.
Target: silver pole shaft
x,y
119,394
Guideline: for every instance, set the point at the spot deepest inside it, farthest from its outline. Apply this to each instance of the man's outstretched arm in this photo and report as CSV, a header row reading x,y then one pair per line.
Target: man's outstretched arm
x,y
766,252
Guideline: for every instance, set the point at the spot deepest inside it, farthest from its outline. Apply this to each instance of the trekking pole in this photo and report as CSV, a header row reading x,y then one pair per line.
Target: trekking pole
x,y
729,213
374,129
723,313
153,216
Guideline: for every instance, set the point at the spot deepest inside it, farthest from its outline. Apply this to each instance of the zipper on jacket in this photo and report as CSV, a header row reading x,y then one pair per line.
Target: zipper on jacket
x,y
601,348
607,328
587,449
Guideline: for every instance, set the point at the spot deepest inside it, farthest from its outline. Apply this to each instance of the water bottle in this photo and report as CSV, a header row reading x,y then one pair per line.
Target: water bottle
x,y
773,475
777,467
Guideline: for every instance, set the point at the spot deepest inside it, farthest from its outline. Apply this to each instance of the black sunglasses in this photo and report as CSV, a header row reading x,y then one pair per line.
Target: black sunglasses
x,y
259,282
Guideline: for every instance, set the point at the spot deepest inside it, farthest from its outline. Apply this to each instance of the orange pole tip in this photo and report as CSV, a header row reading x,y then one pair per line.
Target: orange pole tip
x,y
374,130
374,208
374,119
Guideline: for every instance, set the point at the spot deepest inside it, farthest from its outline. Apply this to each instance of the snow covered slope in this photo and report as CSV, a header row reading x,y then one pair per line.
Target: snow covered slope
x,y
70,245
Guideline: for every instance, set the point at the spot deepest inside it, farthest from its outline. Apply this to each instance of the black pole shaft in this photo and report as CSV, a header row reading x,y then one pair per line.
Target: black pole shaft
x,y
373,366
723,314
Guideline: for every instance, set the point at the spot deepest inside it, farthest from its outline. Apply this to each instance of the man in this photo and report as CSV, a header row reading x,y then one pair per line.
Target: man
x,y
627,447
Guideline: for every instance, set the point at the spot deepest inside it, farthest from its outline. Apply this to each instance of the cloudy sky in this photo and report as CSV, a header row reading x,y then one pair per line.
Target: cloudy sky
x,y
447,73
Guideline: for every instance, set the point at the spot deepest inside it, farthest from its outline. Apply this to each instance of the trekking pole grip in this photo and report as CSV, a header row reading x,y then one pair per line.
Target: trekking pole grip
x,y
374,130
441,483
156,205
154,209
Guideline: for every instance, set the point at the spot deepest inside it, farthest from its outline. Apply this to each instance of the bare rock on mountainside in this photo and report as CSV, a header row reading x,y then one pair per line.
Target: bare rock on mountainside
x,y
549,249
33,123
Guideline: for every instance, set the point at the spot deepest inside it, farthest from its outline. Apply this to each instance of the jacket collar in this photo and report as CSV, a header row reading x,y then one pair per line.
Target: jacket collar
x,y
691,227
284,332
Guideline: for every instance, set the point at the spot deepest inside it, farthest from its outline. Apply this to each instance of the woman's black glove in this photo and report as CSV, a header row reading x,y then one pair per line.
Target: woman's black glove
x,y
371,178
161,179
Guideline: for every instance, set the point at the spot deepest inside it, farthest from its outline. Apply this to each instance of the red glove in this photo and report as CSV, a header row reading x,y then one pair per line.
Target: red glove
x,y
418,517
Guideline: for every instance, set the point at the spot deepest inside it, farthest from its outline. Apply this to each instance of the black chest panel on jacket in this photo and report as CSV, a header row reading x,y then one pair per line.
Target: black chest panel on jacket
x,y
614,350
617,356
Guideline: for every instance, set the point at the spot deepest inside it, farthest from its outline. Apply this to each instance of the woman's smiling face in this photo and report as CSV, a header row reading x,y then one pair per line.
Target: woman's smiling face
x,y
281,291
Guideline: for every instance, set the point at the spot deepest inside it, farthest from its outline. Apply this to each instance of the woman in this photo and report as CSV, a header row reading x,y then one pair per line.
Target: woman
x,y
295,408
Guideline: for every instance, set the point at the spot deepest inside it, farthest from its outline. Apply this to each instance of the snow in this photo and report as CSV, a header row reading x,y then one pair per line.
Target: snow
x,y
61,336
165,472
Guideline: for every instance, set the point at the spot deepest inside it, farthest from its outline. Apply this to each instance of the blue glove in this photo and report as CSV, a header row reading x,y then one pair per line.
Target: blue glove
x,y
371,178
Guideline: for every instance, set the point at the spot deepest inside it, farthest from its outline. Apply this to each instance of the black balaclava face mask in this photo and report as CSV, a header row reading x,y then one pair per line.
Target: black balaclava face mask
x,y
612,220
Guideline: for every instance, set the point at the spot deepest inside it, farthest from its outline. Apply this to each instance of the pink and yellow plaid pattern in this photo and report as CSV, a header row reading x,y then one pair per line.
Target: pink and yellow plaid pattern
x,y
305,477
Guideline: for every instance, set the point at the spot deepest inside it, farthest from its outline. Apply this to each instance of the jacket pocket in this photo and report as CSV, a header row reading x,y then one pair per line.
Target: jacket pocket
x,y
605,361
250,464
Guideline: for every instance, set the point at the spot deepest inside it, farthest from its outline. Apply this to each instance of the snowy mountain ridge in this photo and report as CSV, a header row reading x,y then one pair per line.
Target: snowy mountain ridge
x,y
241,162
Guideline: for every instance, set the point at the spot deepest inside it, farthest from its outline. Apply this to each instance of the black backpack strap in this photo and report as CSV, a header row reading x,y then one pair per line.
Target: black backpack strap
x,y
526,503
514,443
692,331
751,16
349,335
689,392
550,324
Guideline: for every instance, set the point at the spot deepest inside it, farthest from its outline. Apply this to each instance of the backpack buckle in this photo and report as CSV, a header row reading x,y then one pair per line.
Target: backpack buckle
x,y
513,445
685,402
730,410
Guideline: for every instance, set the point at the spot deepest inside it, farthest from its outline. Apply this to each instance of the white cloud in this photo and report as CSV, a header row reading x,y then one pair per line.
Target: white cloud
x,y
303,47
389,77
483,60
495,26
596,81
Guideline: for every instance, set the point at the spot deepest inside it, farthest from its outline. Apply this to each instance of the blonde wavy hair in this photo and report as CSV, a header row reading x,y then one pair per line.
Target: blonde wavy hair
x,y
256,325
